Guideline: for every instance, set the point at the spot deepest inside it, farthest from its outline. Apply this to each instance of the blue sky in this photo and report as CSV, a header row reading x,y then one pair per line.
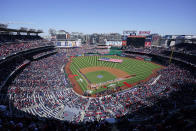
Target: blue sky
x,y
102,16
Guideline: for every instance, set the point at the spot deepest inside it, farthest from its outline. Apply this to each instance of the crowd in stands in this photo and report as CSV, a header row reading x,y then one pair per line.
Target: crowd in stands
x,y
165,102
153,50
45,53
181,48
5,38
137,56
10,48
186,48
185,56
7,68
10,44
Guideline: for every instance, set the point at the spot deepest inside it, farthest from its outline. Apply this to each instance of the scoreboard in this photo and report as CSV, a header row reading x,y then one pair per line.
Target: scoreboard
x,y
136,41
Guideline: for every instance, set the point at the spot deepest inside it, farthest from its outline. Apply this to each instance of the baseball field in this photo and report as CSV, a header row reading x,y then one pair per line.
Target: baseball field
x,y
91,74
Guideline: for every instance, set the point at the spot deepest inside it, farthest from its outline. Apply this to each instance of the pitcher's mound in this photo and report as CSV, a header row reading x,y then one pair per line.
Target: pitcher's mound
x,y
99,76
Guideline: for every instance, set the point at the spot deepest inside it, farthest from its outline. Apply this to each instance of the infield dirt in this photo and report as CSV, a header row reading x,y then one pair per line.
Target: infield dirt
x,y
116,72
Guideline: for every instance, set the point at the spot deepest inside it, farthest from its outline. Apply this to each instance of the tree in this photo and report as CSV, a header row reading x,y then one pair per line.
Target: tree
x,y
52,32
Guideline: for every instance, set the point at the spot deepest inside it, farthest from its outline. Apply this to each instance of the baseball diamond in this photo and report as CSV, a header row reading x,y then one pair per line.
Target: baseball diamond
x,y
95,75
106,76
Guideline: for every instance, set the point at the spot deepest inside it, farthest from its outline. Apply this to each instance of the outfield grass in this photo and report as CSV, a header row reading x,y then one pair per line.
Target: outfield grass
x,y
142,69
93,76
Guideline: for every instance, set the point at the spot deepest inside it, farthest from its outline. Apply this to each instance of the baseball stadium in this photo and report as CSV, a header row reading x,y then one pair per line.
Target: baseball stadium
x,y
85,85
95,74
97,65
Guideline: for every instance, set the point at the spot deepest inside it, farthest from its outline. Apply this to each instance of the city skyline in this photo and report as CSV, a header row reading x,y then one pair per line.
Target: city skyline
x,y
109,16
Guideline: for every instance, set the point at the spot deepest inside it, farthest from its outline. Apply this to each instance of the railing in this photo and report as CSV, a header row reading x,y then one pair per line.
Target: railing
x,y
26,62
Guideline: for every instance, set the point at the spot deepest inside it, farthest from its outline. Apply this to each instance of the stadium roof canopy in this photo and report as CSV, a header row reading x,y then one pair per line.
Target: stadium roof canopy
x,y
24,30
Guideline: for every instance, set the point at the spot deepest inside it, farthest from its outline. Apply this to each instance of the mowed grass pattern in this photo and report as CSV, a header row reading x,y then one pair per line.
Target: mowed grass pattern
x,y
94,79
142,69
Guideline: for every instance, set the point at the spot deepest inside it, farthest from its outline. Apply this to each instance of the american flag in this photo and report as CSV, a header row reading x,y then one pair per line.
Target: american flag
x,y
116,60
111,60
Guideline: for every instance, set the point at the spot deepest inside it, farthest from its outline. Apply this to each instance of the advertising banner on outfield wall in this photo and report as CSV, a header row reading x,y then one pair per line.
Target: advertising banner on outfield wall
x,y
144,32
58,43
69,43
147,44
66,43
124,43
114,43
129,32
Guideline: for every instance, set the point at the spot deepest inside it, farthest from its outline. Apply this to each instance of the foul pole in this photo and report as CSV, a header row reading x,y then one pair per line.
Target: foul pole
x,y
171,56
